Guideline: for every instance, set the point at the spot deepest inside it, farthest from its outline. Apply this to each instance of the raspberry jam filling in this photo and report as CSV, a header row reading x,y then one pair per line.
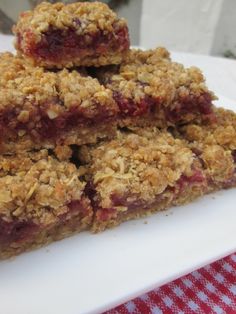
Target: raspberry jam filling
x,y
232,181
76,208
16,231
128,106
79,207
20,231
102,214
184,181
192,104
148,105
164,200
234,155
42,126
51,128
59,44
105,214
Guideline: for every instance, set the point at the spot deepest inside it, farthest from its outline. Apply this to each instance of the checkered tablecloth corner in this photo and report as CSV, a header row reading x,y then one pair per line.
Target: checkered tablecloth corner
x,y
211,289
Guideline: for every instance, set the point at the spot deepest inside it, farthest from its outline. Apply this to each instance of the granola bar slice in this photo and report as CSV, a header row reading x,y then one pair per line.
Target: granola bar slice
x,y
41,200
151,89
215,146
139,173
78,34
48,109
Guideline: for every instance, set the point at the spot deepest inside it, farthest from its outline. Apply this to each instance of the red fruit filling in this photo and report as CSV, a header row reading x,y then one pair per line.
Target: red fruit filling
x,y
184,181
234,155
105,214
79,206
230,183
57,44
16,231
90,192
192,104
148,105
52,128
102,214
128,107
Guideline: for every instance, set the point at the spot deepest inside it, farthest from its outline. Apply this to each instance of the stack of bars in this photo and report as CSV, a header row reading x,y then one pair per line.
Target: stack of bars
x,y
94,133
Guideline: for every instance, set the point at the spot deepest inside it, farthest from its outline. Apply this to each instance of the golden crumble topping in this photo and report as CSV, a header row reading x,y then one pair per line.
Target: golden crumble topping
x,y
85,17
137,165
151,56
25,87
215,144
222,132
152,73
37,187
85,91
11,67
218,162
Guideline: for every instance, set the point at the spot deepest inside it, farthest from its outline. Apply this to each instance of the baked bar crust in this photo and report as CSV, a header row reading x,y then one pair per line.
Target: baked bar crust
x,y
150,89
139,173
78,34
49,109
215,146
146,170
41,200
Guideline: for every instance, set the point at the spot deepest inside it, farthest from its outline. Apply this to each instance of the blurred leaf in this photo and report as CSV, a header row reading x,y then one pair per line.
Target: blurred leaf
x,y
229,54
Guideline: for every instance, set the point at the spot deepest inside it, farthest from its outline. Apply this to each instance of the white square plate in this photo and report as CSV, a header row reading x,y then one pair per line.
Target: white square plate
x,y
92,273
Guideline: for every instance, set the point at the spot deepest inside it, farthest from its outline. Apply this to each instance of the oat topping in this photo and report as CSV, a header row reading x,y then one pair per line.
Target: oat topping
x,y
138,165
86,92
84,17
215,144
37,187
222,133
153,73
25,86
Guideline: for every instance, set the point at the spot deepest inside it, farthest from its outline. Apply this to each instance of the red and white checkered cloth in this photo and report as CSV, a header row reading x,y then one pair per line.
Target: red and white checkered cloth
x,y
211,289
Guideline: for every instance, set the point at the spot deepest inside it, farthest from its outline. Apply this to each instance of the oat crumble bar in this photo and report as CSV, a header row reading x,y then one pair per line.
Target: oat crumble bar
x,y
150,88
142,136
215,146
78,34
48,109
41,200
140,173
